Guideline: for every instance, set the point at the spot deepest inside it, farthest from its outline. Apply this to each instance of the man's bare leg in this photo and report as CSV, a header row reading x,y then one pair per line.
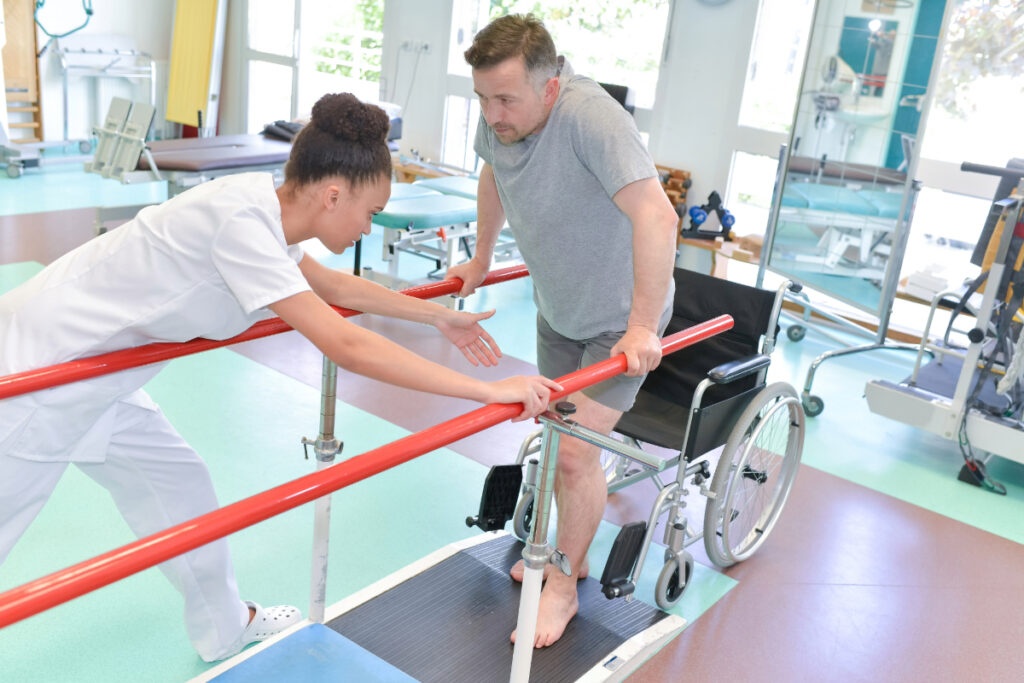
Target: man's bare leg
x,y
581,493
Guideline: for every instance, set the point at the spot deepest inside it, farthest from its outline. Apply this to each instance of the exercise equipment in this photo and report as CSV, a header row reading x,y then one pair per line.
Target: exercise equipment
x,y
973,394
699,215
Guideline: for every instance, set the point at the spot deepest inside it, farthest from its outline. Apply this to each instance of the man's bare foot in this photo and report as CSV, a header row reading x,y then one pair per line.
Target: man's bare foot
x,y
558,605
517,571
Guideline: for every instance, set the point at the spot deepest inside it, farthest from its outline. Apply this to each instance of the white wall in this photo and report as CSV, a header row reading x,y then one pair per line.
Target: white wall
x,y
148,23
695,123
423,115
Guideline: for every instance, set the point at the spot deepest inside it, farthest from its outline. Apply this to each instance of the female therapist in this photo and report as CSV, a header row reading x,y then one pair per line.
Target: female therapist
x,y
210,263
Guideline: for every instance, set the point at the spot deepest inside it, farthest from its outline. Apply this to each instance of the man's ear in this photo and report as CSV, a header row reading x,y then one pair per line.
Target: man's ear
x,y
551,91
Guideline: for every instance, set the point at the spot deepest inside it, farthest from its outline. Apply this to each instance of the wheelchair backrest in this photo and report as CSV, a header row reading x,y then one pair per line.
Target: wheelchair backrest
x,y
702,297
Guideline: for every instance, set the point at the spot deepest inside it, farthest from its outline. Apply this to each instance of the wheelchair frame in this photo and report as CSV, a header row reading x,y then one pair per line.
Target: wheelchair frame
x,y
763,405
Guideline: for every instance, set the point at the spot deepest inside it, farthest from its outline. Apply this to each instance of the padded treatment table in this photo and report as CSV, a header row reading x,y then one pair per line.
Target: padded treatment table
x,y
398,191
505,249
460,186
187,162
414,223
850,224
217,153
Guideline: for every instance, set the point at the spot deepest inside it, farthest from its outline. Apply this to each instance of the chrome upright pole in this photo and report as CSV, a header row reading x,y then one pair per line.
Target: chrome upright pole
x,y
326,448
536,555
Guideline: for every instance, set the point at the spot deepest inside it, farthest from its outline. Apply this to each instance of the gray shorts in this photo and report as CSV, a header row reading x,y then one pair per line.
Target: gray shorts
x,y
558,355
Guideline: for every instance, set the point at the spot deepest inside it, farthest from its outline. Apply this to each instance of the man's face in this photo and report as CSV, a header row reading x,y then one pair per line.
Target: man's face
x,y
510,104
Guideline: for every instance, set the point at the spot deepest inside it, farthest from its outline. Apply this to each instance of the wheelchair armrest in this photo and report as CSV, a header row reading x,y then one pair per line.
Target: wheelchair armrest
x,y
733,370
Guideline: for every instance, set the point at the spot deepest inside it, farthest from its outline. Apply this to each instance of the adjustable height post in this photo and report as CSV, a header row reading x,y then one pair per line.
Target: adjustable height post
x,y
326,447
536,555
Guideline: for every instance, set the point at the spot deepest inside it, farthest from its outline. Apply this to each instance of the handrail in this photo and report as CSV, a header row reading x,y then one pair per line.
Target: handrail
x,y
59,587
103,364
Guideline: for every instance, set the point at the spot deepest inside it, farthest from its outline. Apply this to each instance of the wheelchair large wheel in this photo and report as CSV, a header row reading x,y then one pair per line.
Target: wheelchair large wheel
x,y
754,475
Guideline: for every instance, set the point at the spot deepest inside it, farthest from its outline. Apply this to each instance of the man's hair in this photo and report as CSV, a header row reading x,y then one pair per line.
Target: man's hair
x,y
515,35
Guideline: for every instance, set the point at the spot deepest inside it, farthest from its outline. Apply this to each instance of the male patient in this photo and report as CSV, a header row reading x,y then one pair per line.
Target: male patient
x,y
565,164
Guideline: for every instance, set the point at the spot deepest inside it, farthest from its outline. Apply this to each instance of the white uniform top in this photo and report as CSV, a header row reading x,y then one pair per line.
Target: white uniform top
x,y
203,264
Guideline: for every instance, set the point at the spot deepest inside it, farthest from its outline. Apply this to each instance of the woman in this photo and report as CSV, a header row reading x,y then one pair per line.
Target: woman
x,y
210,263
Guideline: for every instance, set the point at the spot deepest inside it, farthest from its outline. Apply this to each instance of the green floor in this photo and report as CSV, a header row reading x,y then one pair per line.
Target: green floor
x,y
851,442
66,186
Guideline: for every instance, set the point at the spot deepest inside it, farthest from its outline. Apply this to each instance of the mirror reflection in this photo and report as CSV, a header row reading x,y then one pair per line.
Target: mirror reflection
x,y
867,71
865,52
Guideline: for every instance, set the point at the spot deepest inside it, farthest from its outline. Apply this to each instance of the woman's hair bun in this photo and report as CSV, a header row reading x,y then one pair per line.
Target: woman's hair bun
x,y
346,118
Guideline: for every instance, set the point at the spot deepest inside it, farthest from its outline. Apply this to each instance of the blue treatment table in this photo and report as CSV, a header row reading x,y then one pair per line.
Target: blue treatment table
x,y
505,249
415,223
852,225
398,191
460,186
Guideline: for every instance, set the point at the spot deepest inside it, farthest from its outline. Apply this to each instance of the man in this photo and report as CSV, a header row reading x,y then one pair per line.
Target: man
x,y
566,164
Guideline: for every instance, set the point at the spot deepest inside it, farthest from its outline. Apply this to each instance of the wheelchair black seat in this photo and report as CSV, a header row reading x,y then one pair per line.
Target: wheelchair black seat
x,y
663,403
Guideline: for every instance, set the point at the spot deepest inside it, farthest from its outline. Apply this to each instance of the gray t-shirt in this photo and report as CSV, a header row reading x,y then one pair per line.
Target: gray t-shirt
x,y
556,187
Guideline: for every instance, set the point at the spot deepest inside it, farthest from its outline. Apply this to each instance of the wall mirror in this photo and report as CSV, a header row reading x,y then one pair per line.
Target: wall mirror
x,y
844,195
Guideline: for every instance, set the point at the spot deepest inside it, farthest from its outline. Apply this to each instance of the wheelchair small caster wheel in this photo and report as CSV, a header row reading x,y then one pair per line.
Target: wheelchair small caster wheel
x,y
14,170
796,332
85,146
813,406
673,580
522,519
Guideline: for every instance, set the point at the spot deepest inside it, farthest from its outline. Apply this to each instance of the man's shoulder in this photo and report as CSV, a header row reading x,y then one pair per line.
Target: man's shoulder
x,y
584,101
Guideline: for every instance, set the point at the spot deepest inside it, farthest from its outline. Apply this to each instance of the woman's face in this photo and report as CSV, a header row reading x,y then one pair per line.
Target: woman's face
x,y
351,216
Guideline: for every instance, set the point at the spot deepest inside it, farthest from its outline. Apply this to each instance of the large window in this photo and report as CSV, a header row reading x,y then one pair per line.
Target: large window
x,y
298,50
979,95
773,83
342,43
776,62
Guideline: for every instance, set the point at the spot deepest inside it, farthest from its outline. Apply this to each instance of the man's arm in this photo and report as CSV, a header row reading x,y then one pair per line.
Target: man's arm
x,y
490,218
654,241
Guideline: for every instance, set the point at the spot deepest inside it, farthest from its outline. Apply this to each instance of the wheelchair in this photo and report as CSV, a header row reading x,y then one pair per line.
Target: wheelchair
x,y
698,399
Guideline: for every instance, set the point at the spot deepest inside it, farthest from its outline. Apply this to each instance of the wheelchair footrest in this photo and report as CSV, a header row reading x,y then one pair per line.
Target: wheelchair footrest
x,y
615,581
498,501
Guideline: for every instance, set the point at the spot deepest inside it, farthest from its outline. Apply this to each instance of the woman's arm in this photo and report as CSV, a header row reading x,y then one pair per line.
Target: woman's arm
x,y
349,291
366,353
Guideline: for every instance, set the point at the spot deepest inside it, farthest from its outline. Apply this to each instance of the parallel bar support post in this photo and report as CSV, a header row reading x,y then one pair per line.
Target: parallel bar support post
x,y
536,555
326,448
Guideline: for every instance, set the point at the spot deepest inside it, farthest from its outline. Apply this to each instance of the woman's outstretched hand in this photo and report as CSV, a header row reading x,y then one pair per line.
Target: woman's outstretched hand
x,y
463,329
534,392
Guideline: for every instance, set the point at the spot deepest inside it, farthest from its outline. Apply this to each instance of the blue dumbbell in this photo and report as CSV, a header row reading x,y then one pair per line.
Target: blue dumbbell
x,y
728,220
698,215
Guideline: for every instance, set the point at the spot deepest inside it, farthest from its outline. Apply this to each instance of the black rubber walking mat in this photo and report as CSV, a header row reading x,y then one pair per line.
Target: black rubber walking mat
x,y
452,622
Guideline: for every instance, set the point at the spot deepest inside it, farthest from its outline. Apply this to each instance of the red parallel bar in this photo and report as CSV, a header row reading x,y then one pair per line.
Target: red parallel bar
x,y
104,364
60,587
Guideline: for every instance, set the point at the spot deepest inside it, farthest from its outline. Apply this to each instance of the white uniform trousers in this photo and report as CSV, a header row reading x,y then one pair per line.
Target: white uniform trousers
x,y
157,481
